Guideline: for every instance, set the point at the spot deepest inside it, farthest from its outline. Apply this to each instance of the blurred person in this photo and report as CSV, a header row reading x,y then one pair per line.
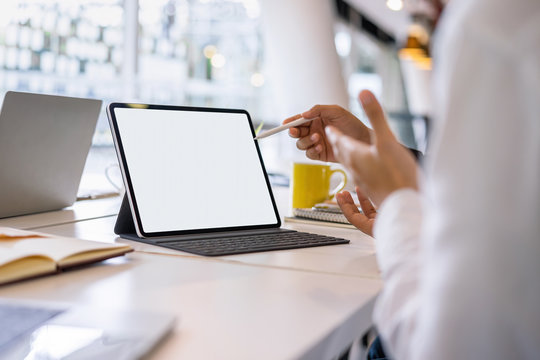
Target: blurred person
x,y
459,246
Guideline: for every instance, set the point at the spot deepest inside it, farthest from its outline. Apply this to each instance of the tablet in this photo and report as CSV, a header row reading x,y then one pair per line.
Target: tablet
x,y
191,170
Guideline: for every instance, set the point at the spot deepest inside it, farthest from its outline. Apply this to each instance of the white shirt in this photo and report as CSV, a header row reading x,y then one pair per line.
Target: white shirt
x,y
461,260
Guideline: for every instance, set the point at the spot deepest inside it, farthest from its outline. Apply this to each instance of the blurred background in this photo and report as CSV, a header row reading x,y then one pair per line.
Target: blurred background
x,y
274,58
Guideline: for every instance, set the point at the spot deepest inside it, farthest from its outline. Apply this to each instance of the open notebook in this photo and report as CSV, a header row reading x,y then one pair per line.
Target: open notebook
x,y
27,254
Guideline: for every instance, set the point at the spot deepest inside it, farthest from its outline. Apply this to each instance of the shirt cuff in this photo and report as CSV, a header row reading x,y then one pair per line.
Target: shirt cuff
x,y
397,228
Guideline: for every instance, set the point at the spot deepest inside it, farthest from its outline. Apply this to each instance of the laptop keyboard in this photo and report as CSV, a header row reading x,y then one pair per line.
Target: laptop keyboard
x,y
253,243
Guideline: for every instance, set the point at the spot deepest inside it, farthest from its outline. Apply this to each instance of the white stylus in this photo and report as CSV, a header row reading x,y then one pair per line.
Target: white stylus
x,y
282,127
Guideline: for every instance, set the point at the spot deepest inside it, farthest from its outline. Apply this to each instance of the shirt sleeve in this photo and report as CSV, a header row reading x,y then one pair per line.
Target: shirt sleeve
x,y
397,234
460,261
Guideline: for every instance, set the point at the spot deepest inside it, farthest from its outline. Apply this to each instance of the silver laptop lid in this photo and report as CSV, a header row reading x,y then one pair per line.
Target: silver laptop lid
x,y
44,142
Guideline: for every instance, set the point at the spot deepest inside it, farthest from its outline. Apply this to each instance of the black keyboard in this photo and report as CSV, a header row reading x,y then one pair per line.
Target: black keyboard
x,y
252,243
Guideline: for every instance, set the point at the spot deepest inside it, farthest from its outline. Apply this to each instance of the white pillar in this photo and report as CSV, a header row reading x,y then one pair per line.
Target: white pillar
x,y
302,64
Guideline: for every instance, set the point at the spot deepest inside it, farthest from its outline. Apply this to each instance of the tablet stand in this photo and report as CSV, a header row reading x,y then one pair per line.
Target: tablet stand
x,y
124,222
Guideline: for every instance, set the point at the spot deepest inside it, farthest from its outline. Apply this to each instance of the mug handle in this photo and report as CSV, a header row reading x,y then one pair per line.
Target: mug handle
x,y
341,184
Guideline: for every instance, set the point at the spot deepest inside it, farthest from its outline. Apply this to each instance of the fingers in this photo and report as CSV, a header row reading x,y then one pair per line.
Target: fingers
x,y
316,111
292,118
340,146
367,206
306,142
312,145
298,131
376,116
344,147
315,152
347,205
333,135
294,132
355,217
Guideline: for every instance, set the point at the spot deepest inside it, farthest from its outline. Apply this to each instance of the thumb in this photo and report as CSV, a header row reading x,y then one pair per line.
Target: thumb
x,y
344,146
337,140
375,114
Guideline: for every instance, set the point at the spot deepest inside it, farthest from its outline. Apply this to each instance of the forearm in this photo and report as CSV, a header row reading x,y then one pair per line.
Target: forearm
x,y
397,233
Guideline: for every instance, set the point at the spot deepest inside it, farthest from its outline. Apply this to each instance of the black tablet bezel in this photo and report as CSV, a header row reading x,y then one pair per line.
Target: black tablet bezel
x,y
117,137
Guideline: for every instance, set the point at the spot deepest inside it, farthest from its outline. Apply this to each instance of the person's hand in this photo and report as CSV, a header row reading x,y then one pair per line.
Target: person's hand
x,y
362,220
312,137
381,167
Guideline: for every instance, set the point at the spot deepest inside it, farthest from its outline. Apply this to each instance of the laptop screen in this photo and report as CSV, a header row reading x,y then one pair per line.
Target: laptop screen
x,y
192,169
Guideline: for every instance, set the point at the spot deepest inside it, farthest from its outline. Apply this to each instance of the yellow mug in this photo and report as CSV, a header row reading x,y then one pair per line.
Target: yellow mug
x,y
311,184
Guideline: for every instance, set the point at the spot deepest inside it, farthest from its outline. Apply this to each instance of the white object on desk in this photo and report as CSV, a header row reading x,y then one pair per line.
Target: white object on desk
x,y
60,331
278,129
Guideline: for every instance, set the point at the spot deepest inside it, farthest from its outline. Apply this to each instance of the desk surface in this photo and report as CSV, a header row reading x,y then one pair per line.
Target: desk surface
x,y
304,303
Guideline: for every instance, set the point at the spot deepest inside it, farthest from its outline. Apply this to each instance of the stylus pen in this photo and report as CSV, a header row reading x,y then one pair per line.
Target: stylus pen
x,y
282,127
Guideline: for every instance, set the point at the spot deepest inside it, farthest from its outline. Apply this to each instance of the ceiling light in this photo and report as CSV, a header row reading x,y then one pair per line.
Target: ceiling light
x,y
343,43
218,61
209,51
257,80
394,5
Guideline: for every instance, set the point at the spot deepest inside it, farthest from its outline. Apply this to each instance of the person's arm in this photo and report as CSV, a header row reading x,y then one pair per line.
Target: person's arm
x,y
312,137
386,172
468,288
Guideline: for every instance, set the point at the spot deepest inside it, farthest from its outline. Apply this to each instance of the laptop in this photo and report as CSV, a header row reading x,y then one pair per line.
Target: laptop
x,y
196,182
44,142
32,329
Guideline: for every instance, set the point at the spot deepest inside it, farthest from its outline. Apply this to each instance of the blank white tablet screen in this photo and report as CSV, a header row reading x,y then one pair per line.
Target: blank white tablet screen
x,y
194,170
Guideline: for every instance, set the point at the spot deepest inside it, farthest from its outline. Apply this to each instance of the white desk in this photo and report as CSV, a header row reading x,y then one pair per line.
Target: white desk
x,y
306,303
81,211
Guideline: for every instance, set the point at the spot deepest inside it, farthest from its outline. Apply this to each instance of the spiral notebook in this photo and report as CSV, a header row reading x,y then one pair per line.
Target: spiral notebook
x,y
323,216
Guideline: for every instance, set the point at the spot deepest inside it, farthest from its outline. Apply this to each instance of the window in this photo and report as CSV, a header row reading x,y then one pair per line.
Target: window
x,y
205,53
186,52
